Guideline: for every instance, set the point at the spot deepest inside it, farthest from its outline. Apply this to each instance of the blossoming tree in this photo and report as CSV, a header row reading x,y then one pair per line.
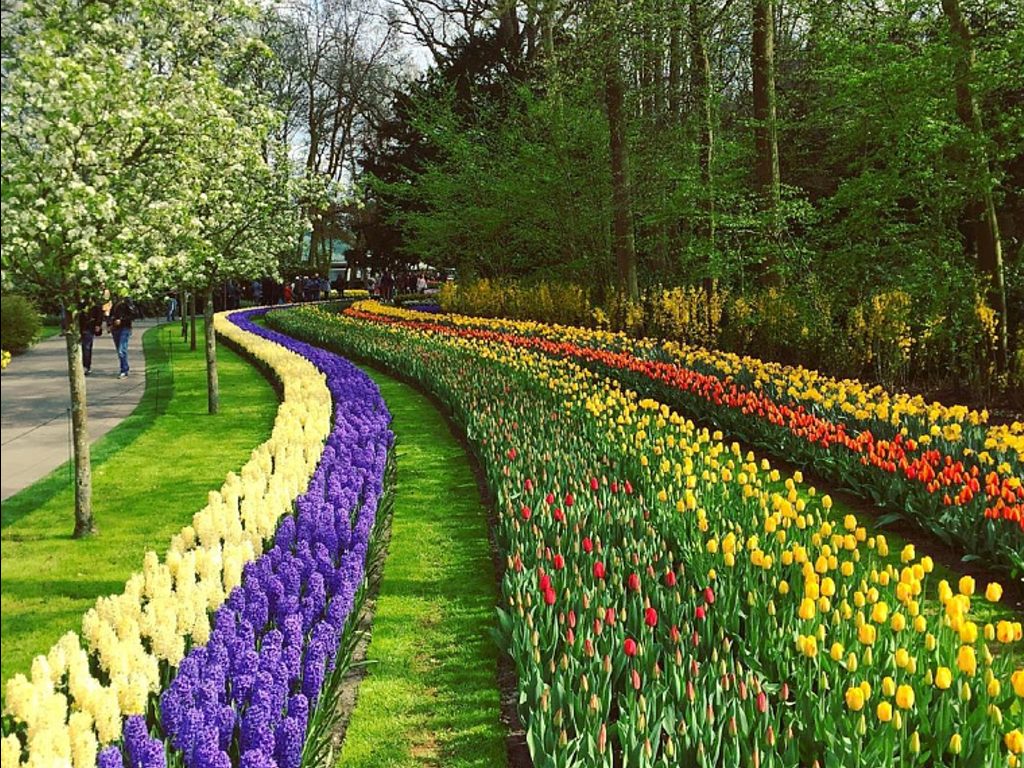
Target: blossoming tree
x,y
105,110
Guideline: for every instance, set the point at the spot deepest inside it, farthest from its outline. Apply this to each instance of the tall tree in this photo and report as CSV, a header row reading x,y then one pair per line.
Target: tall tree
x,y
623,240
766,141
700,86
980,215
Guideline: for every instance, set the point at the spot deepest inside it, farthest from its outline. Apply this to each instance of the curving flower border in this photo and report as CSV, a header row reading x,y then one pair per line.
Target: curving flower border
x,y
616,515
940,477
249,697
63,712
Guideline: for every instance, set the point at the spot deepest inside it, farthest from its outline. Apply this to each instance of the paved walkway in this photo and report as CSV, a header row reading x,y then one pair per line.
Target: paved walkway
x,y
35,420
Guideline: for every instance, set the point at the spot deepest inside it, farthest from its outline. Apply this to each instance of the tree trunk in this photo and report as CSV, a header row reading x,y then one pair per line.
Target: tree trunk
x,y
622,206
765,130
700,81
192,320
212,382
675,61
84,524
980,215
183,309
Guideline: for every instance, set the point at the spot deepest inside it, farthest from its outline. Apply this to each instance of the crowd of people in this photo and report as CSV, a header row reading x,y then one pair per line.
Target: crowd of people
x,y
117,314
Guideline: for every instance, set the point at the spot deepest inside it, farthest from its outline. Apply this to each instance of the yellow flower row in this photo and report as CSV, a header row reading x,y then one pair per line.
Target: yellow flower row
x,y
68,713
852,398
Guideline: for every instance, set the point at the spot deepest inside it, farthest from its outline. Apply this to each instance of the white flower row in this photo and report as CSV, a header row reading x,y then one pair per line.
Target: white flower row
x,y
68,713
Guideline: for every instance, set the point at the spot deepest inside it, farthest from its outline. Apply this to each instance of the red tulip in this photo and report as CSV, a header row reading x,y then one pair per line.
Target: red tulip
x,y
630,647
701,613
559,515
651,617
559,562
588,647
636,680
674,633
570,636
709,596
598,570
615,487
549,596
629,487
634,582
762,702
545,582
594,484
670,578
525,512
609,616
569,499
528,485
550,499
588,545
572,618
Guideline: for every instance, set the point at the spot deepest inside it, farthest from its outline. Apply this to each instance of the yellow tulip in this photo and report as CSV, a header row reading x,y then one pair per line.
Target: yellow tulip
x,y
966,585
994,592
1014,741
1017,681
884,711
956,744
966,660
904,697
943,678
854,699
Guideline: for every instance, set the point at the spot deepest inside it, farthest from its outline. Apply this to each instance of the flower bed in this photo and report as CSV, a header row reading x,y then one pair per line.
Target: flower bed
x,y
75,700
670,600
942,466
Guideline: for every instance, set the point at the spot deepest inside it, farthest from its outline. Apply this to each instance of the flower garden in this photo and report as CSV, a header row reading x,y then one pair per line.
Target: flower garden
x,y
668,598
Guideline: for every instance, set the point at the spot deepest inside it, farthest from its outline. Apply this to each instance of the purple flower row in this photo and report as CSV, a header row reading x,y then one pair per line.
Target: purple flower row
x,y
246,697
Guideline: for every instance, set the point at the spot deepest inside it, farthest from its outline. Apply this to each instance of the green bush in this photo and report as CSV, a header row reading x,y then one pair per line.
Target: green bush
x,y
19,323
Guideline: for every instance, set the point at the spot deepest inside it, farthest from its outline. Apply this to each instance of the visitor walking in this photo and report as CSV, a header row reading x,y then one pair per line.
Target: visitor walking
x,y
90,325
172,306
121,316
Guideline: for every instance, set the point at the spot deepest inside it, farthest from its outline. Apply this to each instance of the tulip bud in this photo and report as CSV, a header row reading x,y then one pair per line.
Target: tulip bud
x,y
602,739
956,744
995,713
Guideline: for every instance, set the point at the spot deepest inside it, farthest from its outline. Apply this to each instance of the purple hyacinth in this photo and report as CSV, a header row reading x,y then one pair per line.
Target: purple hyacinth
x,y
110,757
275,638
142,750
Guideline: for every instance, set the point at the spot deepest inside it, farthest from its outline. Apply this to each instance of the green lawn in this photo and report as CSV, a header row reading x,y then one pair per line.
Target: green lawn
x,y
48,330
150,475
431,695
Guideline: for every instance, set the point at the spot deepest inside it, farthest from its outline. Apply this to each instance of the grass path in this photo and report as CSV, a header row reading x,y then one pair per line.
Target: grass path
x,y
430,697
151,473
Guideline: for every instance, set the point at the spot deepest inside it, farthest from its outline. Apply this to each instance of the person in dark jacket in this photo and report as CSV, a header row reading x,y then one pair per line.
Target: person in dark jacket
x,y
90,325
121,316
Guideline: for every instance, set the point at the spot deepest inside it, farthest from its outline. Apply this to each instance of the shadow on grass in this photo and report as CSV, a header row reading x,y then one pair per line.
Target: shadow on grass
x,y
159,347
